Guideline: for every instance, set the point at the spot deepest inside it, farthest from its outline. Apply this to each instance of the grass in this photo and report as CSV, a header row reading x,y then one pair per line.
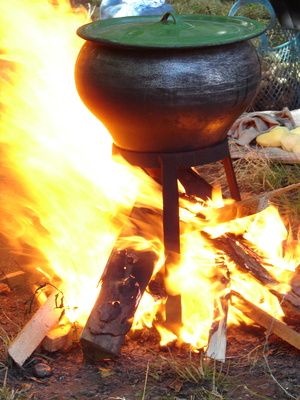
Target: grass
x,y
210,379
256,175
8,393
259,175
212,7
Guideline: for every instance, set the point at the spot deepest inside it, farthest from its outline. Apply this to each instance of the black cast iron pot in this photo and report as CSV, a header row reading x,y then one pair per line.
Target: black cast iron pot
x,y
169,84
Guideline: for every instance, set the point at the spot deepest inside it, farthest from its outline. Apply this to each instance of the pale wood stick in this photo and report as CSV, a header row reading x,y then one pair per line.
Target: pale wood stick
x,y
36,329
216,348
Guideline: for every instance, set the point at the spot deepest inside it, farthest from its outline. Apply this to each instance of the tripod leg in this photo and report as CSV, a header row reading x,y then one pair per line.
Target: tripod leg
x,y
231,179
171,227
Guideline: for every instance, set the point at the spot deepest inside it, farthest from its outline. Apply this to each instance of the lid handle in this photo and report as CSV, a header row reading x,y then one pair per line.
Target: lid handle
x,y
166,15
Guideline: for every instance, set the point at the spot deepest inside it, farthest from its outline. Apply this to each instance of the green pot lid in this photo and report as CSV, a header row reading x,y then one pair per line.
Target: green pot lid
x,y
171,30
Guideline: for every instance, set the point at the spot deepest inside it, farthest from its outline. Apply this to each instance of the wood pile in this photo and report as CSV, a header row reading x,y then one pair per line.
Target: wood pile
x,y
128,273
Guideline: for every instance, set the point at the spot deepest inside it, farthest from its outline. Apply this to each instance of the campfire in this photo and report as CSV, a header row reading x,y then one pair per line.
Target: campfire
x,y
98,223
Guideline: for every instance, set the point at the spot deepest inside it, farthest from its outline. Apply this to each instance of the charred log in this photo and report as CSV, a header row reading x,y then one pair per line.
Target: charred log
x,y
243,257
122,285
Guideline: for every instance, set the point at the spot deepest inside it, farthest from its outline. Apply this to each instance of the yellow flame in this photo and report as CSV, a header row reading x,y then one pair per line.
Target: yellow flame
x,y
64,194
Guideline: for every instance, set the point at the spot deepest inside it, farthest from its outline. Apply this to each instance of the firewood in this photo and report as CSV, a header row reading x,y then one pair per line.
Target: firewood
x,y
35,330
245,208
192,182
243,257
288,301
56,339
249,262
216,348
123,283
271,324
14,279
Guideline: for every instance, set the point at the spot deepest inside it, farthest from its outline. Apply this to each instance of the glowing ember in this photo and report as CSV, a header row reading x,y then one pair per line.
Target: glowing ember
x,y
63,195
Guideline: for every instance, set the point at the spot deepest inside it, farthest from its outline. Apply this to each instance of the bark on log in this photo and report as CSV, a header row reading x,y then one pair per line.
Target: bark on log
x,y
265,320
35,330
124,281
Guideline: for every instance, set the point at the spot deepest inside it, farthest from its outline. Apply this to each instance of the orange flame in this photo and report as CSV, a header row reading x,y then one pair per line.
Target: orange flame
x,y
63,195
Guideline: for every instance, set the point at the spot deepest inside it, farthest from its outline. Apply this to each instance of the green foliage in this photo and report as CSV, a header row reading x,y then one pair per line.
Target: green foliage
x,y
258,175
214,7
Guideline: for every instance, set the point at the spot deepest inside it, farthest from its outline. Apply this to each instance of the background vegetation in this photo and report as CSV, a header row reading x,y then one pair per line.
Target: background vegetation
x,y
213,7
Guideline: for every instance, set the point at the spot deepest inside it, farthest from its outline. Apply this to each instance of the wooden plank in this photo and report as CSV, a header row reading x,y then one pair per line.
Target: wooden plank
x,y
35,330
14,279
217,341
265,320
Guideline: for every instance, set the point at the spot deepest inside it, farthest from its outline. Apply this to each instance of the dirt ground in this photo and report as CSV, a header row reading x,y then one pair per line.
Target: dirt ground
x,y
256,367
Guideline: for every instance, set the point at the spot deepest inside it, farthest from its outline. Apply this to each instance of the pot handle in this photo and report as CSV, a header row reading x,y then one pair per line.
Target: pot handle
x,y
168,14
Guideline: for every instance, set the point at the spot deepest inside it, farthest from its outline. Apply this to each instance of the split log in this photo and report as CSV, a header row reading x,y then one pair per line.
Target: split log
x,y
271,324
123,283
216,348
194,184
35,330
244,258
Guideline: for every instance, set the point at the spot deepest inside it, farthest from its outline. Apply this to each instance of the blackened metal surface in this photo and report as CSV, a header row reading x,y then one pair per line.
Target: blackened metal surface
x,y
167,100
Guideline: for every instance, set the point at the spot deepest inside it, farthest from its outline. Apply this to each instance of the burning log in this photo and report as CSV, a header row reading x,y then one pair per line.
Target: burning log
x,y
124,281
249,262
35,330
244,258
271,324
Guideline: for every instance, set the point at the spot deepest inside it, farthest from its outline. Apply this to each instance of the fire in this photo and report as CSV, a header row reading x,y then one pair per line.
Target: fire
x,y
65,196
